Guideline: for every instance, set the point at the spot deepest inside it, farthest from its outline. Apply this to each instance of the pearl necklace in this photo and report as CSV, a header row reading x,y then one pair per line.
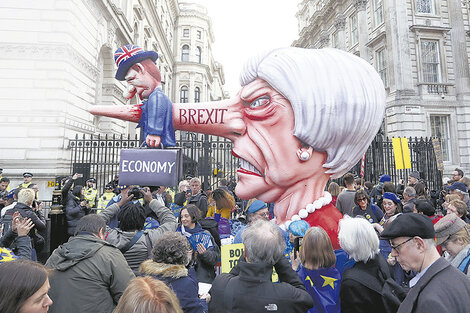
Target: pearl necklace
x,y
310,208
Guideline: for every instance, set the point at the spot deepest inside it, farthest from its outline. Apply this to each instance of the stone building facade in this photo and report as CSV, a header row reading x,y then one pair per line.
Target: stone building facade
x,y
420,49
57,60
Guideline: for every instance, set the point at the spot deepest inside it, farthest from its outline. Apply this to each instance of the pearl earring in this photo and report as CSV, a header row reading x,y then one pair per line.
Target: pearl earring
x,y
304,156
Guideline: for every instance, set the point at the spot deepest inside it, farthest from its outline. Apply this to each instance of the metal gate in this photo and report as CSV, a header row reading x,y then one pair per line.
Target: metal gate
x,y
380,160
204,156
210,158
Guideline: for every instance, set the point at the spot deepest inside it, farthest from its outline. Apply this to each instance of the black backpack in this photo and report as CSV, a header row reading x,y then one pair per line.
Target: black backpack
x,y
6,223
392,293
212,226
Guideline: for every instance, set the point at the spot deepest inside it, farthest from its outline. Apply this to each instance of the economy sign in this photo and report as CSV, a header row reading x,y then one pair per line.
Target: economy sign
x,y
150,167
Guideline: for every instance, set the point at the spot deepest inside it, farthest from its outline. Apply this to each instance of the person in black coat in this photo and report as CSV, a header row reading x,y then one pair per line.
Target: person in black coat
x,y
249,288
75,205
24,207
198,197
358,238
171,258
438,286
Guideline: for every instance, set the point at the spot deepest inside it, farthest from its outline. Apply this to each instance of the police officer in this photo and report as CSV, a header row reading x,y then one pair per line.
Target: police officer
x,y
91,192
106,197
27,179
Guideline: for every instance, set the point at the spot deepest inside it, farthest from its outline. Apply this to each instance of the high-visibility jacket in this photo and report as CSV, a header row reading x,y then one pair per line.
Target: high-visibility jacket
x,y
90,196
104,200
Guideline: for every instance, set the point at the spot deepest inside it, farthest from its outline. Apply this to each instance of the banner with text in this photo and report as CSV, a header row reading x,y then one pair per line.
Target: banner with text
x,y
230,254
150,167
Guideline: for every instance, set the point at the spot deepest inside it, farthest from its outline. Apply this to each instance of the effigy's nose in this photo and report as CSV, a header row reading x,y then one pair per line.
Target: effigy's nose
x,y
220,118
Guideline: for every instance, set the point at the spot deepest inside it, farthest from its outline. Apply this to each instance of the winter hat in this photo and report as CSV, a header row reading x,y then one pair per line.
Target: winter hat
x,y
447,226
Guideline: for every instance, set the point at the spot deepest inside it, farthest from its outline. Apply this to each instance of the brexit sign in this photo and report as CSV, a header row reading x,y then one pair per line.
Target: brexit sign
x,y
150,167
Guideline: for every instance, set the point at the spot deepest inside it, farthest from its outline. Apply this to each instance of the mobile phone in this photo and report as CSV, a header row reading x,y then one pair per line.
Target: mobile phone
x,y
297,244
79,175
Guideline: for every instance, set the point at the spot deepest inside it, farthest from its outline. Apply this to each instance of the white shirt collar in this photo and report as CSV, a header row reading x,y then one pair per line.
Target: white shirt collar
x,y
418,276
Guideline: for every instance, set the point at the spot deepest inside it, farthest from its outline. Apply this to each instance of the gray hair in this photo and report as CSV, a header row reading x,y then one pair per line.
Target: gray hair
x,y
410,192
358,238
429,243
325,86
195,180
263,242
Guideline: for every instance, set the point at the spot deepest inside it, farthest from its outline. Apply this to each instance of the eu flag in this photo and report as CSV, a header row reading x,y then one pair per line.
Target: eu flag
x,y
323,285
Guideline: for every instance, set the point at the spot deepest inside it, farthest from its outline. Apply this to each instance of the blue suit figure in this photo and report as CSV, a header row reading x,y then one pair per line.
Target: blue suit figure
x,y
137,67
157,117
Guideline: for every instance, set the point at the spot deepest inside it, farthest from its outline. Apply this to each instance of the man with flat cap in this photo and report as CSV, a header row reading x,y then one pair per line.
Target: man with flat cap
x,y
438,286
27,179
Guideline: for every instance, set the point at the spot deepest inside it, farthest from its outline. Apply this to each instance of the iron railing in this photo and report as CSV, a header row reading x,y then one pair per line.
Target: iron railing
x,y
204,156
210,158
380,160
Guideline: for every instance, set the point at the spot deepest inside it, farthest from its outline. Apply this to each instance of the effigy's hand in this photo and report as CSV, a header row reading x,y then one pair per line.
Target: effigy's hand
x,y
153,141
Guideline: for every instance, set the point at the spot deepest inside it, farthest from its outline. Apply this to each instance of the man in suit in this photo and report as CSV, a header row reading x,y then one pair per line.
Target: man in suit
x,y
438,286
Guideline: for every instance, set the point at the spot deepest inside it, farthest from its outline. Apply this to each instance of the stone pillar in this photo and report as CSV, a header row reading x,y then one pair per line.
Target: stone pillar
x,y
458,39
340,23
362,29
399,58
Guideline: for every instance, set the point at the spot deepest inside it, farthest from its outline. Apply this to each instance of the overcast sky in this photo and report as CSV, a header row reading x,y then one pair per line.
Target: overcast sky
x,y
244,27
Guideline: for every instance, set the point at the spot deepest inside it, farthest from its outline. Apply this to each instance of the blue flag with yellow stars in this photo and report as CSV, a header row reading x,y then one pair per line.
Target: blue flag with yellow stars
x,y
323,285
6,255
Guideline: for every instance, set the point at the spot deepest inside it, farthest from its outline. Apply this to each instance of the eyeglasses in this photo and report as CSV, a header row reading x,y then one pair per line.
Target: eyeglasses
x,y
362,199
398,245
265,214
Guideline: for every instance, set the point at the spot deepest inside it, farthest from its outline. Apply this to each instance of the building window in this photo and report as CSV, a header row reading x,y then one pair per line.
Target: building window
x,y
185,53
199,34
430,61
184,94
378,12
197,95
335,40
440,129
198,54
424,6
354,30
382,65
186,32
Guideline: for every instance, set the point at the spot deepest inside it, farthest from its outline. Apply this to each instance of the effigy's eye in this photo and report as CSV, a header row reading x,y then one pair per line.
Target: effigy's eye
x,y
259,102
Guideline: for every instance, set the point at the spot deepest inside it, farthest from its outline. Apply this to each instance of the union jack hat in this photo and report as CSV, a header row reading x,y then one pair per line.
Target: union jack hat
x,y
128,55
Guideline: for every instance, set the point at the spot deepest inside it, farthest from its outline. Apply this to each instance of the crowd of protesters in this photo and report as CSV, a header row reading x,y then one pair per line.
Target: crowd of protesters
x,y
148,250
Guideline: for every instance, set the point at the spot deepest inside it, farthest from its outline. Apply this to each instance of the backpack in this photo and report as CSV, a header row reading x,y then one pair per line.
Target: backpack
x,y
6,223
212,226
392,293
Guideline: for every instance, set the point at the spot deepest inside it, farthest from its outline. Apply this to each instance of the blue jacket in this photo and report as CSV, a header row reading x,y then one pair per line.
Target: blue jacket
x,y
181,280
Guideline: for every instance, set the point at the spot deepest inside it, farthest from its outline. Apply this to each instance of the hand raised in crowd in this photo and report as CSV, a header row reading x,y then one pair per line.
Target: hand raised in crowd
x,y
21,225
295,260
37,206
125,198
75,176
147,194
200,248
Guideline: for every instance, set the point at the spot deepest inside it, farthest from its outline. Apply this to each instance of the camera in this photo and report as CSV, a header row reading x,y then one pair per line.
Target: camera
x,y
137,192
